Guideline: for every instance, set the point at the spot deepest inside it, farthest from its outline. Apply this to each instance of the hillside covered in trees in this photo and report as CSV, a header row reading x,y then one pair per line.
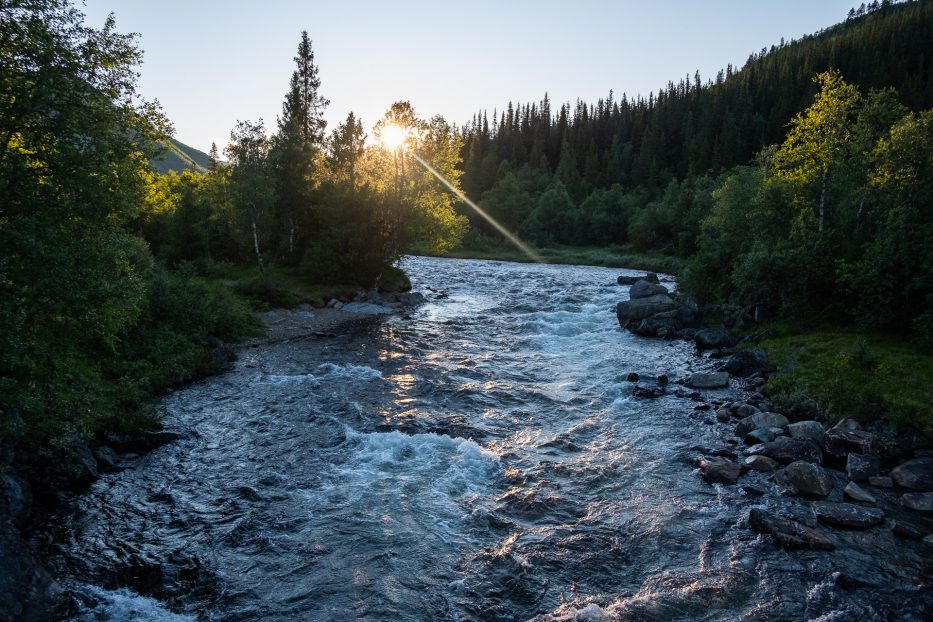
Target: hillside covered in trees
x,y
795,184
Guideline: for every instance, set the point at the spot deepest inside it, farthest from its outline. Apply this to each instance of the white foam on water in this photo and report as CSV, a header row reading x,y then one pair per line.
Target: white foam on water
x,y
350,371
122,605
286,378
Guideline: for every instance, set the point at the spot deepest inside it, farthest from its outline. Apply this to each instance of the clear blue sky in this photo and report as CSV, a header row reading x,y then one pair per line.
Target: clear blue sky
x,y
211,62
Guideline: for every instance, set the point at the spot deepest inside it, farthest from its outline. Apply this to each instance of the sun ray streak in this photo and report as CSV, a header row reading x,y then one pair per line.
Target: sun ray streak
x,y
492,221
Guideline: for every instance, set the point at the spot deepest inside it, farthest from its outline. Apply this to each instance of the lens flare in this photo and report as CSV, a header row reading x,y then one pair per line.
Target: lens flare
x,y
535,257
393,136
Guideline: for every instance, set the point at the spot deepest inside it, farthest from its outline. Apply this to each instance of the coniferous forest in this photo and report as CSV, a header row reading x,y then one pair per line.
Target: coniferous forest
x,y
798,183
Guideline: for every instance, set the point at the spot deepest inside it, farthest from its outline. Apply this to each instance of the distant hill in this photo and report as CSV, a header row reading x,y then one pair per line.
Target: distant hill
x,y
180,157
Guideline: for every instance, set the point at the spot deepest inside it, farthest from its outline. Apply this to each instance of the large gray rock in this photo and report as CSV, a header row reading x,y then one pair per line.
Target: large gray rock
x,y
760,420
787,450
644,289
712,338
859,467
662,325
919,501
847,515
631,280
713,380
812,430
745,363
719,470
788,533
763,435
857,493
761,463
629,311
846,437
916,474
808,479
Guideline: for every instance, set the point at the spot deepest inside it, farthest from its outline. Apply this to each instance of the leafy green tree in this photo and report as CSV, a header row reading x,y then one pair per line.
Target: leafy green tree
x,y
507,202
347,146
252,182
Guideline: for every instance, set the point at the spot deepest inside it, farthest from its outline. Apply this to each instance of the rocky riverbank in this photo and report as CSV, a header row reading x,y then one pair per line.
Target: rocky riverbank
x,y
820,478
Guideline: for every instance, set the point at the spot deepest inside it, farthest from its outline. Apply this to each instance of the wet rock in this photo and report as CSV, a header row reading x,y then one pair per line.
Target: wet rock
x,y
846,437
632,377
847,515
919,501
644,289
27,591
859,467
761,463
712,338
881,481
788,533
903,530
812,430
158,438
719,470
632,312
762,435
631,280
84,466
714,380
857,493
663,325
745,410
644,392
760,420
745,363
808,479
787,450
106,458
722,415
916,474
220,356
663,380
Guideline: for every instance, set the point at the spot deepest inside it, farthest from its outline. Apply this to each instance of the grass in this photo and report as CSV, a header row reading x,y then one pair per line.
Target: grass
x,y
833,373
610,257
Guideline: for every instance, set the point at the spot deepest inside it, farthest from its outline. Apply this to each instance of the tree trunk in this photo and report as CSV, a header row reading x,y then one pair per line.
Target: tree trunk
x,y
262,269
291,236
822,201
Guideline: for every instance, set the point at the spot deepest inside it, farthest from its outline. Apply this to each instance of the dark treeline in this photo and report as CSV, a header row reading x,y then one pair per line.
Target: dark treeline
x,y
690,128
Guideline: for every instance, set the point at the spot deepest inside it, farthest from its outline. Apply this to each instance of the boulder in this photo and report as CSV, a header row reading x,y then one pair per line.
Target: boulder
x,y
808,479
719,470
881,481
712,338
762,435
857,493
812,430
745,410
632,377
663,325
919,501
712,380
630,311
647,392
760,420
644,289
722,415
106,457
788,533
859,467
847,515
903,530
631,280
761,463
787,450
846,437
745,363
916,474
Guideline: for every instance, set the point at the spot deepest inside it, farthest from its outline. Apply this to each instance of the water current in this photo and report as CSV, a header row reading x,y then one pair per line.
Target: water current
x,y
481,459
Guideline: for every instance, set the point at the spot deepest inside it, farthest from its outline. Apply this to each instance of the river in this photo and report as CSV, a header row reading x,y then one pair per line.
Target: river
x,y
482,459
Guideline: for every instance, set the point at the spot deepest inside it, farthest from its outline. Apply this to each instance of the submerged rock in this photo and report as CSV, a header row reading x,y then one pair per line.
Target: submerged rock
x,y
788,533
847,515
919,501
916,474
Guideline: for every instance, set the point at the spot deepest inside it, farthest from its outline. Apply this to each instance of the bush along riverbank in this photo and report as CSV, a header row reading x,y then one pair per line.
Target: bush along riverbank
x,y
843,473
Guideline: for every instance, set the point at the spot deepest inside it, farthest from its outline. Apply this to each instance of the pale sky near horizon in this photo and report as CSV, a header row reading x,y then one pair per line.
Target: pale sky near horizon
x,y
211,62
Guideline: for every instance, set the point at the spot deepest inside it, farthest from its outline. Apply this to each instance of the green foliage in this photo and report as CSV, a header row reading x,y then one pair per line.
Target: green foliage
x,y
842,373
266,291
393,280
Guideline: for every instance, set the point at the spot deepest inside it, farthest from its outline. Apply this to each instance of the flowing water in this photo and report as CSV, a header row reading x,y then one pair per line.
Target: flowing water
x,y
483,459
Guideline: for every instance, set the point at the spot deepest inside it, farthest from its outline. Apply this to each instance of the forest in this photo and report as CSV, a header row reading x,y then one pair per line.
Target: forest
x,y
799,184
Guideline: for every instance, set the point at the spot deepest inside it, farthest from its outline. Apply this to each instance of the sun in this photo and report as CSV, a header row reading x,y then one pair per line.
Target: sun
x,y
393,136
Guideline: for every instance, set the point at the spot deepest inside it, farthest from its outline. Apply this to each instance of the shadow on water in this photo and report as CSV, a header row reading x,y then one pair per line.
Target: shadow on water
x,y
483,460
